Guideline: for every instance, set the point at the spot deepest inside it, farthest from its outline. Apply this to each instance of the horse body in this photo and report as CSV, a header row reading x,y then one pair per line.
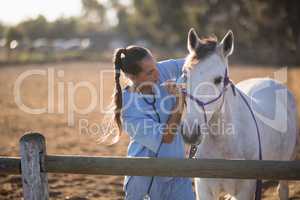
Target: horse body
x,y
235,135
276,113
277,144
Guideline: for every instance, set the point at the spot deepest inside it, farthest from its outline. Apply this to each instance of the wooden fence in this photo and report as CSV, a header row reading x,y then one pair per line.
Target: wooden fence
x,y
34,165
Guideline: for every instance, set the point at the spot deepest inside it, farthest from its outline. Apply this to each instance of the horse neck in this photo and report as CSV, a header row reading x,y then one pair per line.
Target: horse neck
x,y
226,113
236,110
242,113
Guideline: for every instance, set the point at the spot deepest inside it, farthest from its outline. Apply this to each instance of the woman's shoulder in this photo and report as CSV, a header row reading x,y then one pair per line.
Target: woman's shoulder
x,y
166,63
127,89
127,92
170,69
171,62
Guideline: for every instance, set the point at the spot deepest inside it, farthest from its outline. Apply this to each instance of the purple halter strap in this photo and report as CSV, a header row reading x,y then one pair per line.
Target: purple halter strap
x,y
202,104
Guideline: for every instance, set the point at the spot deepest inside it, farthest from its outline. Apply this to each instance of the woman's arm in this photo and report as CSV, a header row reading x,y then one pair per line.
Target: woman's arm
x,y
174,120
175,116
143,129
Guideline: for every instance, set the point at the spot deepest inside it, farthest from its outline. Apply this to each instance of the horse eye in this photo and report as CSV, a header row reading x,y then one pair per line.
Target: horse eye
x,y
218,80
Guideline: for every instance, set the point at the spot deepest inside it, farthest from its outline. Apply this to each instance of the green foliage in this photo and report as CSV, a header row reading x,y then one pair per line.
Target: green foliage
x,y
63,28
94,12
263,29
11,34
34,28
2,29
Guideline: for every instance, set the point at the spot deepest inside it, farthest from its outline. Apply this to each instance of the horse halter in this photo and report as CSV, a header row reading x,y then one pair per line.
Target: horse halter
x,y
202,104
226,82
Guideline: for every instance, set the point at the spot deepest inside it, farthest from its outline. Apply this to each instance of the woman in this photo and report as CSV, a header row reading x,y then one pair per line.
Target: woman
x,y
150,113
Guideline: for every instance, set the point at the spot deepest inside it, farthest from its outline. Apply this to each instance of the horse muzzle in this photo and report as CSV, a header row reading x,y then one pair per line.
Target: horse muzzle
x,y
191,133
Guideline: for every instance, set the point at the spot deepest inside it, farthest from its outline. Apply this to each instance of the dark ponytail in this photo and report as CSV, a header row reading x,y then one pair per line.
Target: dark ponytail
x,y
118,89
129,63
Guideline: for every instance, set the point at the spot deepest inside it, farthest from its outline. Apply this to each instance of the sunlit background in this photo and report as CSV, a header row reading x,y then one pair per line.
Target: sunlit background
x,y
14,11
78,37
33,30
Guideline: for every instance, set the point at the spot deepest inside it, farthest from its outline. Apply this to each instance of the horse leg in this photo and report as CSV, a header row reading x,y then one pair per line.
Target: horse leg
x,y
283,190
204,188
247,195
246,191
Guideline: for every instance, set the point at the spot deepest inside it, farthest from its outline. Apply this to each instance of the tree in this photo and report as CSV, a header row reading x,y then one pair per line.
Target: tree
x,y
2,29
163,22
268,28
64,28
11,34
34,28
94,12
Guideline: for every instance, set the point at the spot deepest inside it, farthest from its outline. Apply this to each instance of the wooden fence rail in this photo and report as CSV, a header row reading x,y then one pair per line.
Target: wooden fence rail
x,y
206,168
34,165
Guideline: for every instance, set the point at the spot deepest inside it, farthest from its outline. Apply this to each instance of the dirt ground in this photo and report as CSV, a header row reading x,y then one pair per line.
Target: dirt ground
x,y
62,138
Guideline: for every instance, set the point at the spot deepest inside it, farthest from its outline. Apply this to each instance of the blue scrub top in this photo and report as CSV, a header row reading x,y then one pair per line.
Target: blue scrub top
x,y
142,124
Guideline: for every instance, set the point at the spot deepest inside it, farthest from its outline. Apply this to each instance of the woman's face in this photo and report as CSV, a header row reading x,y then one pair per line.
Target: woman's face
x,y
149,73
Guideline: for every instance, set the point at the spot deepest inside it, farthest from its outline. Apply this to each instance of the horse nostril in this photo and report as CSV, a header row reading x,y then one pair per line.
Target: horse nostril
x,y
181,128
190,133
198,129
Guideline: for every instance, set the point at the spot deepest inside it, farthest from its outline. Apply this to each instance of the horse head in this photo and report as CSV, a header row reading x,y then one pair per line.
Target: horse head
x,y
206,74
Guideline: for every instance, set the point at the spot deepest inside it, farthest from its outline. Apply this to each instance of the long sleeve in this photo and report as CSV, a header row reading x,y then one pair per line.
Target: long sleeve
x,y
143,129
170,69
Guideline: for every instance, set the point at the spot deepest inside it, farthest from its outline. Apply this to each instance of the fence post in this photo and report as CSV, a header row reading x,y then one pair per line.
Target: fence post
x,y
34,177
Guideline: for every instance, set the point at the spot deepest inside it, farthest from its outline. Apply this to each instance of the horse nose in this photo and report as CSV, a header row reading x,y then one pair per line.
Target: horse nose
x,y
181,128
191,133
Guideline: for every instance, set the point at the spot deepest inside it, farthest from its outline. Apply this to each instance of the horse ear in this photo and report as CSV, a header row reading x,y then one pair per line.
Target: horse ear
x,y
227,43
192,40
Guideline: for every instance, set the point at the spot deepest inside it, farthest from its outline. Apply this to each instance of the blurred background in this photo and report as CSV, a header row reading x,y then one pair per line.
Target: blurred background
x,y
76,39
31,31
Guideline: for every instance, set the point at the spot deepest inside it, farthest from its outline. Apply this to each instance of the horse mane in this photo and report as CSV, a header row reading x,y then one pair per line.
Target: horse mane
x,y
206,46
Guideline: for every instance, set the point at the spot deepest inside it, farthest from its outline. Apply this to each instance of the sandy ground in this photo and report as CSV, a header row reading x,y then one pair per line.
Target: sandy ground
x,y
64,139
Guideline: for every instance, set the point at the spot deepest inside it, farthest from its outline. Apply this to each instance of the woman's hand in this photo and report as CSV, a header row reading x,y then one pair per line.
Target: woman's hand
x,y
173,88
168,138
175,117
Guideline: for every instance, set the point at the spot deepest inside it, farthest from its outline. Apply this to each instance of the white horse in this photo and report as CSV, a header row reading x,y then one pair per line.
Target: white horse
x,y
220,122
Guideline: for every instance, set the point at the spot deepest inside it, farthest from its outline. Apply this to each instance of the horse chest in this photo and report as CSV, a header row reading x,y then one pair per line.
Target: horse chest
x,y
212,148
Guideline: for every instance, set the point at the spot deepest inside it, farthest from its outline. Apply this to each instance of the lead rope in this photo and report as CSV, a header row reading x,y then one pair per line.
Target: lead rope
x,y
258,181
193,150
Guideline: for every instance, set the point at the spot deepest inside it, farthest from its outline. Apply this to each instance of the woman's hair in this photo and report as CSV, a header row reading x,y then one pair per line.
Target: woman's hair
x,y
125,60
